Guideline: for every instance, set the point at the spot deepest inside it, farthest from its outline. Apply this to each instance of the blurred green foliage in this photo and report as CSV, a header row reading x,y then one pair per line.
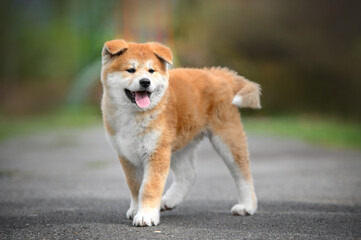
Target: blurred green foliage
x,y
46,44
52,40
305,54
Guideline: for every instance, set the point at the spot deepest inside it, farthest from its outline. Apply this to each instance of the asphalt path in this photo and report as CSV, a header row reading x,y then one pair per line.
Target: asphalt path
x,y
70,185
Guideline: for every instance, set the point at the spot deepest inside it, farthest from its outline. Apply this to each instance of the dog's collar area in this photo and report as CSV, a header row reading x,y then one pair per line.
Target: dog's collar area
x,y
131,95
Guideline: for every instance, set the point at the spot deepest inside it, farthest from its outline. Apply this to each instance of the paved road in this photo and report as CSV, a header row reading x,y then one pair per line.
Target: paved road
x,y
69,185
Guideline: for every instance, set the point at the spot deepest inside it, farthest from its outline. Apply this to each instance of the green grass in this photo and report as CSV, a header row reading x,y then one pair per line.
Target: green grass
x,y
332,133
319,130
60,119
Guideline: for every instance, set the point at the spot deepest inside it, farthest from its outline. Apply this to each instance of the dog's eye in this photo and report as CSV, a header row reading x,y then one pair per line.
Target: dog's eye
x,y
151,70
131,70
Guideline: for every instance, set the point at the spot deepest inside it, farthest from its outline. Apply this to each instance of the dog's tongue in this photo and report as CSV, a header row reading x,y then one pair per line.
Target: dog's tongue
x,y
142,99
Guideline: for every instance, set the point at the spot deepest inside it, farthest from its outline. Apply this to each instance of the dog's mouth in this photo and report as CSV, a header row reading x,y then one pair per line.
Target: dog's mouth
x,y
141,98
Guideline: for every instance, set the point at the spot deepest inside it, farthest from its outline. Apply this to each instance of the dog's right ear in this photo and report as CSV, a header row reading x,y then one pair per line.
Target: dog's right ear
x,y
113,48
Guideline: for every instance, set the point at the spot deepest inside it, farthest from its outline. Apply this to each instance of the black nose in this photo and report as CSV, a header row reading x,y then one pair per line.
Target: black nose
x,y
144,82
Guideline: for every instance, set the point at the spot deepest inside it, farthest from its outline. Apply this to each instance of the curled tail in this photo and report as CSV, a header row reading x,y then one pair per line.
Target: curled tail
x,y
246,93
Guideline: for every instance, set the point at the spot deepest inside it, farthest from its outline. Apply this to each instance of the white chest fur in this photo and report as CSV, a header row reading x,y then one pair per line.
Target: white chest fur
x,y
132,140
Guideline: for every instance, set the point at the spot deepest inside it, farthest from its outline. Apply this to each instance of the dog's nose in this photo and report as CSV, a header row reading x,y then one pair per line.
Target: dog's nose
x,y
144,82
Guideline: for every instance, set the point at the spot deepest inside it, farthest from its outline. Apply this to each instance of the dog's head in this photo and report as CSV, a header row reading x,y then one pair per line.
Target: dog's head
x,y
135,74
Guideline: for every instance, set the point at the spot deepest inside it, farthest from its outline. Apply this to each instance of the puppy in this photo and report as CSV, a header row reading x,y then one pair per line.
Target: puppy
x,y
154,118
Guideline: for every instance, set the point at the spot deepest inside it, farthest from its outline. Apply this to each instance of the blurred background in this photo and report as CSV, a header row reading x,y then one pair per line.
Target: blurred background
x,y
305,54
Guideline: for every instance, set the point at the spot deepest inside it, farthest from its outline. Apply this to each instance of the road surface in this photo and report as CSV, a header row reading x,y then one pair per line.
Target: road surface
x,y
69,185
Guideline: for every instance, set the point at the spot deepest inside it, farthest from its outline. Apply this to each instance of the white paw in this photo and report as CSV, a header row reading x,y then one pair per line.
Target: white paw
x,y
168,203
148,218
243,210
131,213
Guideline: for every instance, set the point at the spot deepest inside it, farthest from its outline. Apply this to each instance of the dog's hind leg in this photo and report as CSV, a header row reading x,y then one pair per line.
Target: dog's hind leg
x,y
231,144
183,169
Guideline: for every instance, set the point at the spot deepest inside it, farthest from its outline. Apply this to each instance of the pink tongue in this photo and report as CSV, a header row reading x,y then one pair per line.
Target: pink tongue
x,y
142,99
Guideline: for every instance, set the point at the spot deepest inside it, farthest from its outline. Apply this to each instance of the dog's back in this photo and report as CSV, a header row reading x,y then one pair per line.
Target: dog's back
x,y
212,86
201,99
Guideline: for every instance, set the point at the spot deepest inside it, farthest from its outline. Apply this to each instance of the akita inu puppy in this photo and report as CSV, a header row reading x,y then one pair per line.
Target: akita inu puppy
x,y
154,118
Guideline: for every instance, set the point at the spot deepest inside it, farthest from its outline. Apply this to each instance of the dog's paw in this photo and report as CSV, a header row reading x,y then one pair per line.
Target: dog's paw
x,y
167,204
148,218
131,213
242,210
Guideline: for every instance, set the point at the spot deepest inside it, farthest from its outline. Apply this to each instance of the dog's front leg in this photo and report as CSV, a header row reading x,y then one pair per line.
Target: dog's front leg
x,y
133,176
155,174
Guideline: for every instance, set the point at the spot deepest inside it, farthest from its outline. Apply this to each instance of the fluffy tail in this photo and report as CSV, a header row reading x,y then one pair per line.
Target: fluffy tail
x,y
246,93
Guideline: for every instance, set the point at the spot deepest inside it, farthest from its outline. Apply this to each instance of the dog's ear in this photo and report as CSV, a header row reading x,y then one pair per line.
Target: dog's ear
x,y
162,52
112,48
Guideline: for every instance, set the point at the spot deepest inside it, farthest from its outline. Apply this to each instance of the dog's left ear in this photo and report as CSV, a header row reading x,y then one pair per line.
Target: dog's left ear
x,y
162,52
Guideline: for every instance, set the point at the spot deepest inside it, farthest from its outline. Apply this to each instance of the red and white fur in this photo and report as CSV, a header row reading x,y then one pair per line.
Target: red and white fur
x,y
154,118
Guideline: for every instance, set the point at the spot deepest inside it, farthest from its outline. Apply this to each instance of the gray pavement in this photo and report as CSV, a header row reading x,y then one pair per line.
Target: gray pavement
x,y
69,185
